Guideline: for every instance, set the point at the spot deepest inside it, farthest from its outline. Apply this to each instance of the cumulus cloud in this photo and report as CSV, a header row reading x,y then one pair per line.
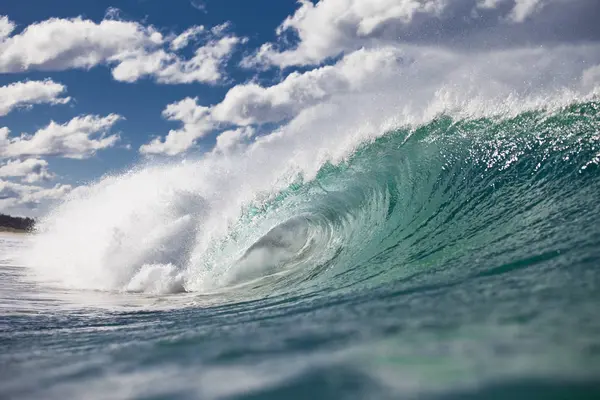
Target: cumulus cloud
x,y
412,80
330,27
79,138
6,27
362,70
521,9
196,124
24,94
133,50
182,40
250,104
204,66
19,198
30,170
400,57
58,44
233,140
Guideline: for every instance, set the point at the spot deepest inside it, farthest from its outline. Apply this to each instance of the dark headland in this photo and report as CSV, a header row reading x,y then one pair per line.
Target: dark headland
x,y
16,224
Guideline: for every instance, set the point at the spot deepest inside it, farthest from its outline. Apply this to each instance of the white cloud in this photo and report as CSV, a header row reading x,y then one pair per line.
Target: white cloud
x,y
384,66
253,104
233,140
6,27
132,49
16,198
30,170
79,138
330,27
196,124
524,9
23,94
412,80
145,64
58,44
204,66
521,10
183,39
250,104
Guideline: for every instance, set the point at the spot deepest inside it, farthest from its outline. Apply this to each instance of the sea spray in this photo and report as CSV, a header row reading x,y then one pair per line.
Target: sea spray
x,y
191,226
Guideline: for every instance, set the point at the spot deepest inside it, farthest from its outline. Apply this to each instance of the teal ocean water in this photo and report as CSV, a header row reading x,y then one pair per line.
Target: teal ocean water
x,y
456,259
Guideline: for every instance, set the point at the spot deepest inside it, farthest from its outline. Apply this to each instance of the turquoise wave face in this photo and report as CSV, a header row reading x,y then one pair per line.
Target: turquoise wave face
x,y
448,201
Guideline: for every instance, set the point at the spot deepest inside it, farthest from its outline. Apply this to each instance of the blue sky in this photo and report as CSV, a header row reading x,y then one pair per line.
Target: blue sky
x,y
95,92
135,81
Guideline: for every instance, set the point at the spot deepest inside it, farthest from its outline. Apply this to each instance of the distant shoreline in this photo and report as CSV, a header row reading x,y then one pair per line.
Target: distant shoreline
x,y
5,229
16,224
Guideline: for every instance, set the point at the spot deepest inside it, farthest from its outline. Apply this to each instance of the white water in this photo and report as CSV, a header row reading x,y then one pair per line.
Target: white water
x,y
160,228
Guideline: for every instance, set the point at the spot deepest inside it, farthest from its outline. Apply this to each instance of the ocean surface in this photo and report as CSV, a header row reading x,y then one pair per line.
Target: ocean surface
x,y
454,259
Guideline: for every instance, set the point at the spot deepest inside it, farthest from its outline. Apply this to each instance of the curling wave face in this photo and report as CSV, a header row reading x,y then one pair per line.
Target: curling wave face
x,y
450,199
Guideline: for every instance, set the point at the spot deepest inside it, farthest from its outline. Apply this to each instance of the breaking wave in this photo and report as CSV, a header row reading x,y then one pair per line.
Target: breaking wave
x,y
453,197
